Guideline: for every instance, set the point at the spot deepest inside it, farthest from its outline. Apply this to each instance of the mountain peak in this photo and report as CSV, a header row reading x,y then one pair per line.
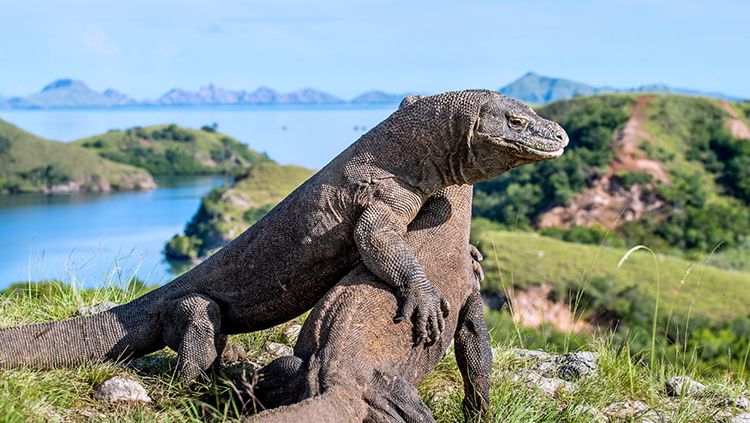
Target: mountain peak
x,y
65,83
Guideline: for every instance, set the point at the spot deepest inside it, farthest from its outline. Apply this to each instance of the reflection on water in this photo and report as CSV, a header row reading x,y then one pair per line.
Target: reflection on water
x,y
95,239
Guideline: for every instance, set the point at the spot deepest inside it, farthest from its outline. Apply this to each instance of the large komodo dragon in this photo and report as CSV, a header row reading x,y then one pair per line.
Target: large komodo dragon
x,y
356,208
352,363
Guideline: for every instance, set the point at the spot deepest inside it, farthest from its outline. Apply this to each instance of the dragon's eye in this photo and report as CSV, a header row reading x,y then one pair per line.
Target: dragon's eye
x,y
516,123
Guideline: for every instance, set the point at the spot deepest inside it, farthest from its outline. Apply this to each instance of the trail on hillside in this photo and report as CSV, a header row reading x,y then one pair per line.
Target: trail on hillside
x,y
607,202
737,127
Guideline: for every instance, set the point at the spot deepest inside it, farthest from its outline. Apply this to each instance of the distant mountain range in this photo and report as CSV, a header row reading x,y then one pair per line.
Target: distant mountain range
x,y
531,87
540,89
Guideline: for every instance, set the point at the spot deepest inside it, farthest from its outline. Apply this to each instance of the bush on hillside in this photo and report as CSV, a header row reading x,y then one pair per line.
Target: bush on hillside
x,y
518,197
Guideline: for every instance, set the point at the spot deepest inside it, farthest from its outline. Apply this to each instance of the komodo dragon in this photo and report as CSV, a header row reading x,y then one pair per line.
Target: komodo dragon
x,y
352,363
356,208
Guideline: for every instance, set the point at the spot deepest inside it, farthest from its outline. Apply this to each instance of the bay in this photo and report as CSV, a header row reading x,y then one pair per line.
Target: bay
x,y
95,240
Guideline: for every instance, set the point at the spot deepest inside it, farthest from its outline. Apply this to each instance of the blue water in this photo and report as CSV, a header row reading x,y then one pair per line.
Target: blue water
x,y
93,240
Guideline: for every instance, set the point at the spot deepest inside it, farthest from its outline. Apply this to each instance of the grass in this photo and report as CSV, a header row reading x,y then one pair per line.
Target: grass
x,y
524,259
32,164
66,394
166,150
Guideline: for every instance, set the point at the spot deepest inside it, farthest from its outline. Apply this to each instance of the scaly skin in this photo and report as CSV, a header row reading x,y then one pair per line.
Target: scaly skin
x,y
352,363
355,208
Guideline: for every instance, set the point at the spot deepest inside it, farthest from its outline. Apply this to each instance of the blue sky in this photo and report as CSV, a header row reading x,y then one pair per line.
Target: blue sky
x,y
145,47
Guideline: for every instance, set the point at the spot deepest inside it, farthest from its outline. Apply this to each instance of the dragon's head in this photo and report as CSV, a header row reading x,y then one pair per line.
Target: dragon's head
x,y
508,132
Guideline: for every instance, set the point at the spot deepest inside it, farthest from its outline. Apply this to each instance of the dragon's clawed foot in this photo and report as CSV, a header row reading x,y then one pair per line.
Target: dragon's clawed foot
x,y
476,259
429,309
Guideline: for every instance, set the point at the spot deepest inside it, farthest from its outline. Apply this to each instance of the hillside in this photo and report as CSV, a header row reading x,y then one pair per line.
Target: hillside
x,y
621,387
173,150
32,164
224,213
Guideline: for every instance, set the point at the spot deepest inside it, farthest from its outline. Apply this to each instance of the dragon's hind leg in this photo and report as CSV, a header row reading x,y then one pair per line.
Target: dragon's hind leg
x,y
279,383
393,399
192,328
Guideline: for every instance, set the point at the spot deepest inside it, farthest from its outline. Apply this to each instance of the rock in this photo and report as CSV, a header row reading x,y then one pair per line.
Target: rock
x,y
743,403
522,354
740,418
233,353
576,365
587,413
569,367
631,411
680,386
121,389
276,350
291,333
549,386
95,309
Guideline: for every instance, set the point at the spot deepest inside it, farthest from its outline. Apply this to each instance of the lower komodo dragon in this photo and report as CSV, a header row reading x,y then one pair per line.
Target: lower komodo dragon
x,y
352,363
356,208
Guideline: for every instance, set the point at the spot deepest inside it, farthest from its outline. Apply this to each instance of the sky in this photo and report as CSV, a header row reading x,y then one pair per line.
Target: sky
x,y
345,47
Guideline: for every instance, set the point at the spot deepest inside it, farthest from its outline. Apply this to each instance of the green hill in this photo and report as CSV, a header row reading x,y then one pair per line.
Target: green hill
x,y
32,164
663,170
166,150
226,212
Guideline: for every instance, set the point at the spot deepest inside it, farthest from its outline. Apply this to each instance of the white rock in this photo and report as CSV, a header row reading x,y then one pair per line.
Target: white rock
x,y
291,333
631,410
547,385
276,350
121,389
741,418
588,413
681,386
522,354
576,365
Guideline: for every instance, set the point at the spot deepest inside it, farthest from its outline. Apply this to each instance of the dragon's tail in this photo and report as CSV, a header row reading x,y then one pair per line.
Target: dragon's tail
x,y
115,334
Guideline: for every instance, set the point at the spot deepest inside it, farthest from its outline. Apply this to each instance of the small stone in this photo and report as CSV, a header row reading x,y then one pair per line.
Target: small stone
x,y
522,354
631,410
95,309
588,413
741,418
276,350
680,386
233,353
549,386
576,365
291,333
743,403
121,389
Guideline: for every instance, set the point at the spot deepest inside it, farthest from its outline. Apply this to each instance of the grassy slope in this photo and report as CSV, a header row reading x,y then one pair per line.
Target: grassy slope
x,y
173,150
66,394
523,259
29,164
226,212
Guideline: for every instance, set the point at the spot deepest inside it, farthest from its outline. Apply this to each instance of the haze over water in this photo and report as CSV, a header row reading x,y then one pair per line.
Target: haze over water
x,y
96,239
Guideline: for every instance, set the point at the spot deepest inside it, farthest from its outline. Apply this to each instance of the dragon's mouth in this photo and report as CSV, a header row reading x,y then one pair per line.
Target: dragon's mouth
x,y
527,152
543,154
